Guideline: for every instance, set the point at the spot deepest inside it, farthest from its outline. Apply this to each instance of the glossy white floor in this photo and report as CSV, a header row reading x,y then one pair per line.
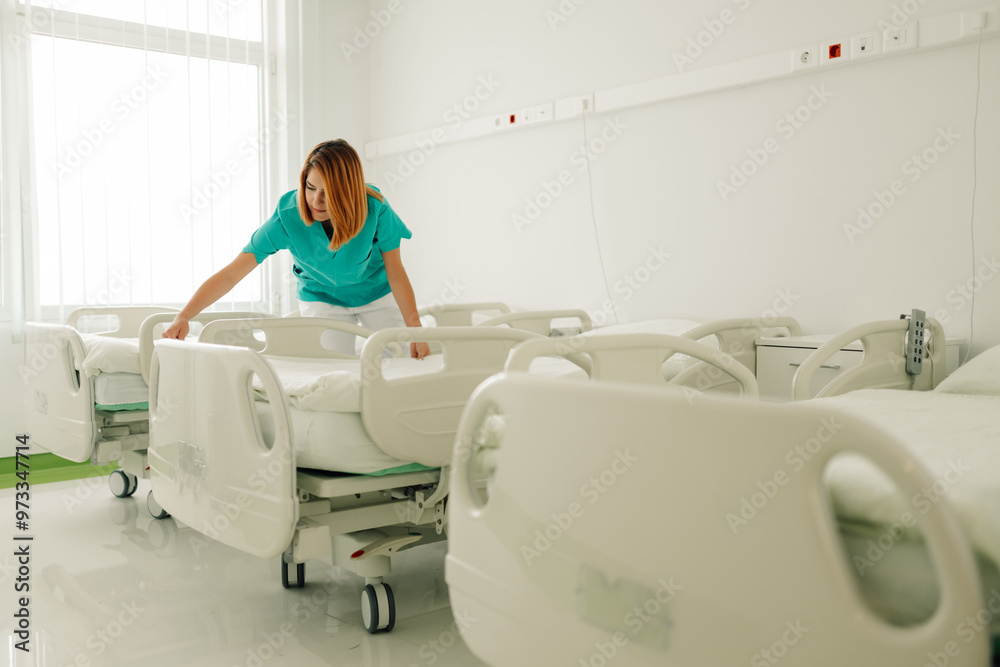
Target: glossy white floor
x,y
111,586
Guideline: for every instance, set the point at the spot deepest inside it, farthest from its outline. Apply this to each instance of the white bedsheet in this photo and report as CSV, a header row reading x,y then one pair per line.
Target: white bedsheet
x,y
120,389
334,441
334,385
957,440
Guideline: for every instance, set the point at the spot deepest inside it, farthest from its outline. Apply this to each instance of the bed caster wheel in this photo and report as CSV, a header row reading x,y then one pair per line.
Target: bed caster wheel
x,y
122,483
300,575
154,507
378,608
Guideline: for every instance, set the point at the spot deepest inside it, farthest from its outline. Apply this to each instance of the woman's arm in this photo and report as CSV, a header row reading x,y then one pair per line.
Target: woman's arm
x,y
211,291
402,291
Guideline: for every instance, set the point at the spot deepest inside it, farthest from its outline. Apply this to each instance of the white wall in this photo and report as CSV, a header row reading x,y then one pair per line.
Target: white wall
x,y
656,185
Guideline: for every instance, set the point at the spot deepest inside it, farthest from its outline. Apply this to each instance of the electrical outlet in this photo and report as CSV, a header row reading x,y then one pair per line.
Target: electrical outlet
x,y
899,39
832,52
805,57
863,46
544,112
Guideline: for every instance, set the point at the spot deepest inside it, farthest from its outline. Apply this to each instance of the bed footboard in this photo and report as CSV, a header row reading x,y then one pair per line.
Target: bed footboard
x,y
210,466
59,399
539,321
460,314
692,540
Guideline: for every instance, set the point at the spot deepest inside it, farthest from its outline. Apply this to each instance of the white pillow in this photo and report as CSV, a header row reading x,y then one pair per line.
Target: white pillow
x,y
107,354
980,375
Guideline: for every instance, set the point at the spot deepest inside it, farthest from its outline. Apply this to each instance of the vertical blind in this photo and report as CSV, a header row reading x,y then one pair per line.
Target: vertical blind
x,y
148,136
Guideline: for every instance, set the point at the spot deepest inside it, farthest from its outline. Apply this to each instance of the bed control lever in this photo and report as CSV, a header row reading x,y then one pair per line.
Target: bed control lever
x,y
835,367
385,547
915,342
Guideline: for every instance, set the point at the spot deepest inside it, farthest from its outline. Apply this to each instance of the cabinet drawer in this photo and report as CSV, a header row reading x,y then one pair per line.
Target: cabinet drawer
x,y
776,367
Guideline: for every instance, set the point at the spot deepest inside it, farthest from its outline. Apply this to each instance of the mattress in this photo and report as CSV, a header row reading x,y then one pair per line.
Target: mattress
x,y
955,437
334,441
120,391
334,385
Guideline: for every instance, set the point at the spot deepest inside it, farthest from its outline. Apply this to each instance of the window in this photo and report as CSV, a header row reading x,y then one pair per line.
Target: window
x,y
148,140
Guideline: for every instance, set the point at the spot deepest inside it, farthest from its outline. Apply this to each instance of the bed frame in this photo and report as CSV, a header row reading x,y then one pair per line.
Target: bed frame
x,y
212,469
59,399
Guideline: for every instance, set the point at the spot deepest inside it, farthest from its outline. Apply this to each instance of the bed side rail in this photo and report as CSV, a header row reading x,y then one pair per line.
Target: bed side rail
x,y
152,329
130,318
58,398
285,336
883,365
539,321
633,358
460,314
414,418
210,465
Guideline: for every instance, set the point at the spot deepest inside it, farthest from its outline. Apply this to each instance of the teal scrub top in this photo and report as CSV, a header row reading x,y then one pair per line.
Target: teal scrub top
x,y
352,276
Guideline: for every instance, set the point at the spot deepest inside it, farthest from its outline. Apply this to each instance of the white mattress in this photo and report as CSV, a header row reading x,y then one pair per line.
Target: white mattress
x,y
334,441
120,389
334,385
955,437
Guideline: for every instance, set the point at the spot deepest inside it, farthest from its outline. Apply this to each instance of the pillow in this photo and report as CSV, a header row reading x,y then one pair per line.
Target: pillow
x,y
107,354
980,375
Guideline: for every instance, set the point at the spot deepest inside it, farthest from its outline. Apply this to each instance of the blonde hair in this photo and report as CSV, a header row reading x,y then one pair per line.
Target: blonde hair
x,y
339,168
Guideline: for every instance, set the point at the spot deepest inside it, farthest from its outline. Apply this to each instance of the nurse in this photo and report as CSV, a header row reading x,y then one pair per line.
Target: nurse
x,y
344,240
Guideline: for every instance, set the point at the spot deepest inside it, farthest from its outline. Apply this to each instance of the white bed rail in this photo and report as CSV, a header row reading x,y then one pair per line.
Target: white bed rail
x,y
285,336
151,329
883,365
634,358
460,314
208,462
539,321
414,418
130,318
531,557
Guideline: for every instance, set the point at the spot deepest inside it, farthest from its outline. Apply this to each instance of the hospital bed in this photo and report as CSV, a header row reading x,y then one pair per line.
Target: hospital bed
x,y
86,394
460,314
287,476
672,529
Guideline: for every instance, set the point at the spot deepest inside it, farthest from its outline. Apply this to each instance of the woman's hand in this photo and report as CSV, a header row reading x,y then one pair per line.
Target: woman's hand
x,y
419,350
178,329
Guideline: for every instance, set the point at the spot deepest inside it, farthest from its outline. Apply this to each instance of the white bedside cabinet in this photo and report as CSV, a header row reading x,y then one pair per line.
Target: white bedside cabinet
x,y
779,358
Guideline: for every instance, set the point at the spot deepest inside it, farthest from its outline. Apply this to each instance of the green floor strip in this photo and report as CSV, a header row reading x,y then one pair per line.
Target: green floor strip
x,y
44,468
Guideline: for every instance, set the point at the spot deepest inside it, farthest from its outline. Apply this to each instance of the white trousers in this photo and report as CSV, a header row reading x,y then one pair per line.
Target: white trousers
x,y
379,314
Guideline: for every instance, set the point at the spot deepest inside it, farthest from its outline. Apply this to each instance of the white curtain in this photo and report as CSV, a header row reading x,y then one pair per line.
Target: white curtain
x,y
144,136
